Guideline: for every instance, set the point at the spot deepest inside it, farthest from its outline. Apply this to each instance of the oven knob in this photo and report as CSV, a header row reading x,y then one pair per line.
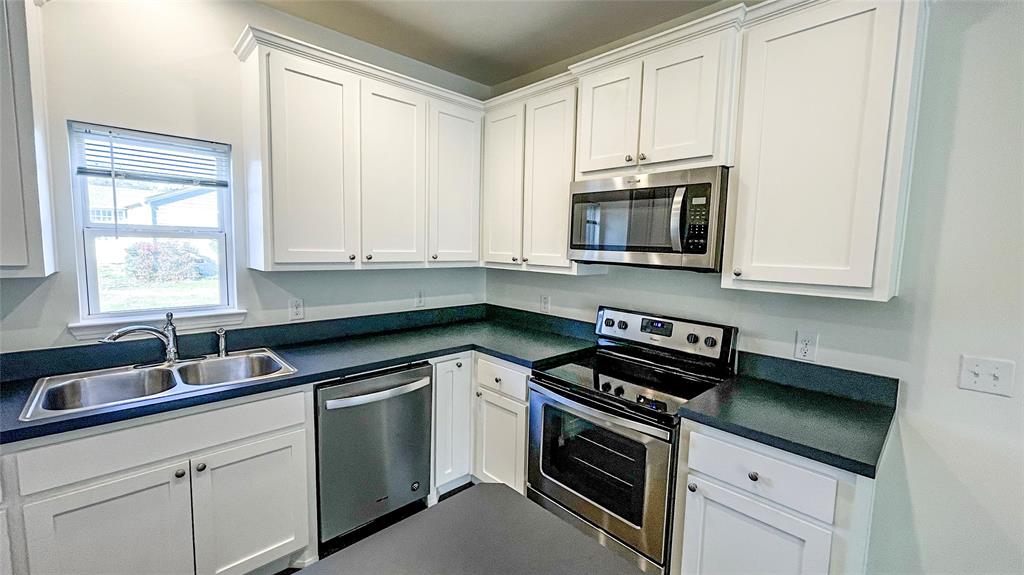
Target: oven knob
x,y
692,338
623,325
606,387
710,341
609,322
619,391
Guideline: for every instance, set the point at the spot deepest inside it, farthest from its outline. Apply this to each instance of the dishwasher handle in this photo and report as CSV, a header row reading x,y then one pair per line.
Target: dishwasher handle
x,y
377,395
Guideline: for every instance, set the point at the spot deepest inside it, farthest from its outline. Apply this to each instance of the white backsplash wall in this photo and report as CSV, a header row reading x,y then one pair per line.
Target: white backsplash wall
x,y
950,495
168,67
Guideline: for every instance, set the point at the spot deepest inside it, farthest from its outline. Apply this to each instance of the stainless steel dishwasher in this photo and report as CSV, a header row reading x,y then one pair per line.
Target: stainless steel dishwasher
x,y
373,446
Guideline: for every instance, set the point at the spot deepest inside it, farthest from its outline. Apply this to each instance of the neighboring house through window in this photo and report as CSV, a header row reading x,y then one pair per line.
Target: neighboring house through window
x,y
155,213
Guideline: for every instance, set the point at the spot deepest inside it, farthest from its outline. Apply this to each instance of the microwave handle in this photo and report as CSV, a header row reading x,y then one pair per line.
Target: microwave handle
x,y
675,227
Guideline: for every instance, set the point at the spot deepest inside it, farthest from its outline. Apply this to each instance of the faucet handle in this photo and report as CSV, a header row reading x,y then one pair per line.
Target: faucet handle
x,y
170,317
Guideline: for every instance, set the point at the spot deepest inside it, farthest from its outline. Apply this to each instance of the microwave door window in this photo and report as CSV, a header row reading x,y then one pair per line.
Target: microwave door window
x,y
625,220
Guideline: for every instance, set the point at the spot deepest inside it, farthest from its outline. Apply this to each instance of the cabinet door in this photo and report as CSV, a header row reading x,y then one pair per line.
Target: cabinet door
x,y
13,238
815,110
609,118
314,134
501,440
454,194
453,409
394,192
5,546
726,532
250,504
680,101
503,184
548,171
137,524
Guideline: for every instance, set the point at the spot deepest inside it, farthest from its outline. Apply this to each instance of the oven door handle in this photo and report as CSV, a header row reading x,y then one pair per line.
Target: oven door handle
x,y
675,220
606,418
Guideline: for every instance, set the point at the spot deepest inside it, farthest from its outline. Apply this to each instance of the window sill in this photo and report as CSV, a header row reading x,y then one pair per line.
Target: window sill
x,y
92,329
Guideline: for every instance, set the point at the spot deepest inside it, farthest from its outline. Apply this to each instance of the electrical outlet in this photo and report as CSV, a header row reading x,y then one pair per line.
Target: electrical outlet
x,y
296,309
545,304
420,300
987,375
806,345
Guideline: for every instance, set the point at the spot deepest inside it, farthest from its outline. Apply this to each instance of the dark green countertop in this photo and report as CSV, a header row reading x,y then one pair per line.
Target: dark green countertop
x,y
838,431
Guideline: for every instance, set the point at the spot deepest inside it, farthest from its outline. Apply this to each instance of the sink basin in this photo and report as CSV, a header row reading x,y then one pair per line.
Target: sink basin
x,y
92,390
108,388
234,368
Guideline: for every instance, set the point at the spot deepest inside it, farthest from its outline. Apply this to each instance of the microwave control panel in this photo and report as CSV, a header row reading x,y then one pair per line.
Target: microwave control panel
x,y
696,210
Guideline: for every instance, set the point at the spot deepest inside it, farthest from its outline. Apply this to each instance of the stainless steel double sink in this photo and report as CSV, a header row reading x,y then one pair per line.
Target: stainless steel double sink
x,y
93,390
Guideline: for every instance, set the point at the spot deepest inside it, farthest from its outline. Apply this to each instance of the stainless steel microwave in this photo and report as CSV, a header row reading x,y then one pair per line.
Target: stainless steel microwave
x,y
671,220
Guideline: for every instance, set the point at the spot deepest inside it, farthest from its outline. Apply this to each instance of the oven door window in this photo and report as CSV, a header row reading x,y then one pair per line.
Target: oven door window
x,y
623,220
598,464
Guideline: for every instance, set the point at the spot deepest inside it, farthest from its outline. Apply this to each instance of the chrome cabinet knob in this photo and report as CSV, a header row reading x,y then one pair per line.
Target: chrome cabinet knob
x,y
433,257
692,487
526,260
642,156
515,259
629,158
458,364
351,256
737,272
369,256
497,380
479,393
179,473
753,476
201,467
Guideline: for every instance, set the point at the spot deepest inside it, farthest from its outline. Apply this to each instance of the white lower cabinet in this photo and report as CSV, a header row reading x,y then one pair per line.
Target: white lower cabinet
x,y
249,504
136,524
453,415
501,424
5,546
726,531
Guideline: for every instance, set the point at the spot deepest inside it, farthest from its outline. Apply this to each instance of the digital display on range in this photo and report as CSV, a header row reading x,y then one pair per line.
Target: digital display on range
x,y
656,327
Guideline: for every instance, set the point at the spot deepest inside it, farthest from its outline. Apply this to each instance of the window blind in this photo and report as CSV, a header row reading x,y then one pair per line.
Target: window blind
x,y
105,152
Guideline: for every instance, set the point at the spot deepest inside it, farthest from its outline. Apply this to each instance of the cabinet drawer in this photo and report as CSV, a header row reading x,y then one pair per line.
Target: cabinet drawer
x,y
800,489
501,379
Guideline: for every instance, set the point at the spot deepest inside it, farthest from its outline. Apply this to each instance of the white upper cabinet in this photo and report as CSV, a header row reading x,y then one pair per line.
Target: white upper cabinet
x,y
454,186
820,182
680,101
336,162
550,127
503,184
665,102
609,118
394,194
314,149
26,218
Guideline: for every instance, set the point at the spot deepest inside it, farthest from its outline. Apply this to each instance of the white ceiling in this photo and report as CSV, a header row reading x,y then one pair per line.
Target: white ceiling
x,y
488,41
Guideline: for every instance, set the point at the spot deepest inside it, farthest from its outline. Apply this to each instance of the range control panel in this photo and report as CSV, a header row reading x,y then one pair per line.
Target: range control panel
x,y
679,335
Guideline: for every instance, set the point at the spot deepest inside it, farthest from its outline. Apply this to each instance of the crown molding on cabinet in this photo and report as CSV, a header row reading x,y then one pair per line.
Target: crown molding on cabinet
x,y
729,18
252,37
536,89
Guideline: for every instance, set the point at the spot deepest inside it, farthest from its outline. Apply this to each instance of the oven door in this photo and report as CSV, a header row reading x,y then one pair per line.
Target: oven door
x,y
611,471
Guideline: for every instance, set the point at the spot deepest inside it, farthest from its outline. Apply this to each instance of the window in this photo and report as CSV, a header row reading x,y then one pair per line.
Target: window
x,y
154,221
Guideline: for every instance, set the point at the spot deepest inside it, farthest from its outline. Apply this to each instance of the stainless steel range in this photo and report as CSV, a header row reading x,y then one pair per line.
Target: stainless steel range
x,y
605,440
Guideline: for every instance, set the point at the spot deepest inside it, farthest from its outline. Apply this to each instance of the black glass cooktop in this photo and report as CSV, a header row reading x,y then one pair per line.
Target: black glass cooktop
x,y
615,377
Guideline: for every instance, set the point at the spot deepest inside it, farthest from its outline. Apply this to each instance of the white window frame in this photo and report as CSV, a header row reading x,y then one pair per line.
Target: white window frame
x,y
94,323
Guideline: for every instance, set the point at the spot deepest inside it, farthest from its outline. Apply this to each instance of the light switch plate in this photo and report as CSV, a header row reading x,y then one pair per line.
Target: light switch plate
x,y
987,375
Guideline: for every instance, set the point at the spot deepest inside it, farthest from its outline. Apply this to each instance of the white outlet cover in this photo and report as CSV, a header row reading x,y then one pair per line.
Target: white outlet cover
x,y
296,309
987,375
420,300
545,303
806,347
